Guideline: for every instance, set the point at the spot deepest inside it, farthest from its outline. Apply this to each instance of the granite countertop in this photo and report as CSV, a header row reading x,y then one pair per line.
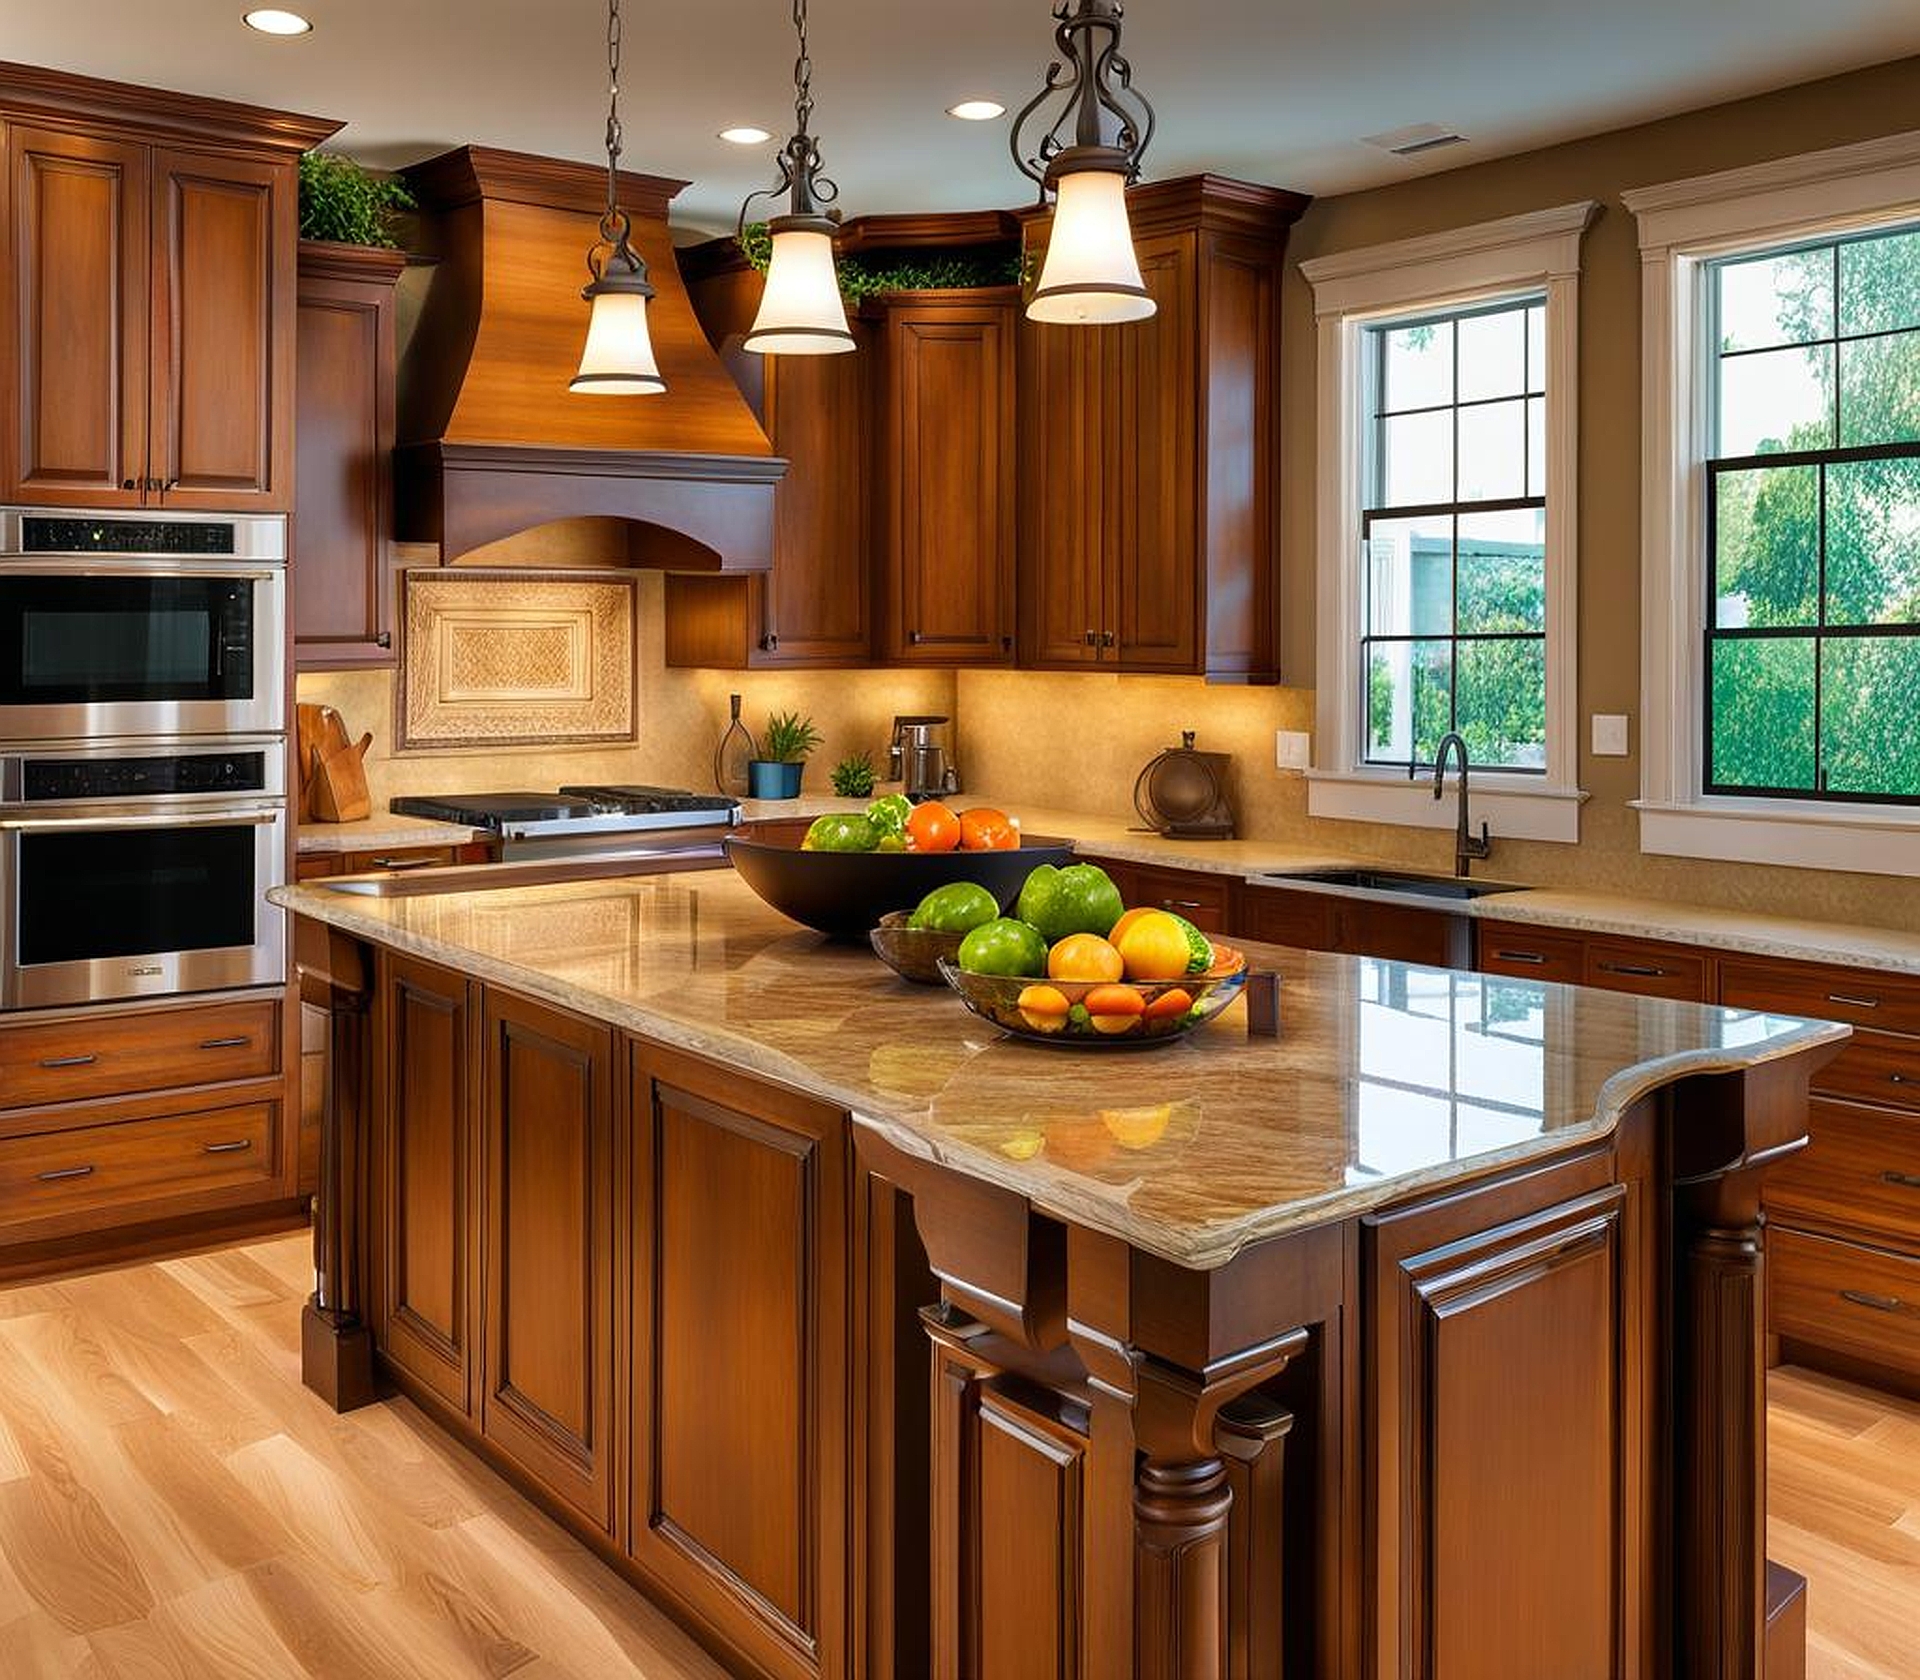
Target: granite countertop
x,y
386,829
1387,1079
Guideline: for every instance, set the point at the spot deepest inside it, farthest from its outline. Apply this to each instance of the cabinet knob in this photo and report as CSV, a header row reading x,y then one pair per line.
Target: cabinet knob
x,y
1006,644
1106,638
129,484
913,638
384,639
1093,638
771,641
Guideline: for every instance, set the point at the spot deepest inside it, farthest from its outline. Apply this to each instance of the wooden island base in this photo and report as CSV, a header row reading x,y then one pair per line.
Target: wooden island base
x,y
849,1411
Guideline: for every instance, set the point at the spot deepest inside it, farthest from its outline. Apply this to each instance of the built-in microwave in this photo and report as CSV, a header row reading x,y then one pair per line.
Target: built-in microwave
x,y
141,869
141,624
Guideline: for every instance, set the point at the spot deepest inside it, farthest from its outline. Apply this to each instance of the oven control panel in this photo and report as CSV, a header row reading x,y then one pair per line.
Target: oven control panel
x,y
164,537
36,781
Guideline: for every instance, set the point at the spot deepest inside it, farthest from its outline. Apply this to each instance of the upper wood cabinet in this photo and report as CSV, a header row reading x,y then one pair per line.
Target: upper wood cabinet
x,y
345,371
147,343
1149,499
946,467
814,607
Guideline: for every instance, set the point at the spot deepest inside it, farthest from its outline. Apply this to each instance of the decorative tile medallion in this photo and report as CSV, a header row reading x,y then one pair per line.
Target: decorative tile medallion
x,y
504,659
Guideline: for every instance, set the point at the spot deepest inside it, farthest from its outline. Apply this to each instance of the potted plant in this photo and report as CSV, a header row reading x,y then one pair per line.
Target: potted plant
x,y
342,203
853,776
784,747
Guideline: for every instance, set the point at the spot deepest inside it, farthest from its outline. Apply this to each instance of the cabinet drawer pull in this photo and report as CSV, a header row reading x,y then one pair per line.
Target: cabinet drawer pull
x,y
1876,1303
1898,1079
86,1060
1640,971
1181,904
398,863
1107,638
238,1042
1853,1002
1903,1181
1519,956
238,1147
60,1174
1093,638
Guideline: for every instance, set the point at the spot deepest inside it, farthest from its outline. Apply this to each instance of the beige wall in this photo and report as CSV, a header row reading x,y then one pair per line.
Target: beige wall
x,y
1084,738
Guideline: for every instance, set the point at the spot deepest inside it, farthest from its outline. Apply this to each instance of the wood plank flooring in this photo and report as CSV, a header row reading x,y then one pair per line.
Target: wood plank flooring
x,y
175,1506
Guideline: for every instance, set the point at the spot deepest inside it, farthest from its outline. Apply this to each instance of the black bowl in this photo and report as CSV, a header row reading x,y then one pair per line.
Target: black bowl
x,y
846,893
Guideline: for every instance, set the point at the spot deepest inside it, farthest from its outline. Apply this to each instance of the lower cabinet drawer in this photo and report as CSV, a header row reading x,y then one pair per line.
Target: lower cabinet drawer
x,y
1844,1296
1875,1068
1203,900
1862,1169
1650,970
1529,953
149,1050
93,1168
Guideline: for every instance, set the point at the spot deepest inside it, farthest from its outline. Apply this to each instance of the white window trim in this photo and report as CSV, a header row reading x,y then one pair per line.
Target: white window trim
x,y
1537,251
1683,226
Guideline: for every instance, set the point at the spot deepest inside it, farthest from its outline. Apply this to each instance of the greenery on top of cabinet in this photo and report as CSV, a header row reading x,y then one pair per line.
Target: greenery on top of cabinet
x,y
873,274
345,204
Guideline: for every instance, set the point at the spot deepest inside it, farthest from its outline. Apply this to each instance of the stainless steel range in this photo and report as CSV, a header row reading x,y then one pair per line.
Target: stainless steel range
x,y
582,822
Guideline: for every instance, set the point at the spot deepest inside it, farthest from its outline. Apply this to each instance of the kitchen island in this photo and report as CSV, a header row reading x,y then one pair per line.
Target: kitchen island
x,y
1423,1338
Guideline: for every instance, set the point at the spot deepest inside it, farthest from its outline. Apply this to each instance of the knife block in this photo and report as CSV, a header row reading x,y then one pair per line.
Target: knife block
x,y
333,781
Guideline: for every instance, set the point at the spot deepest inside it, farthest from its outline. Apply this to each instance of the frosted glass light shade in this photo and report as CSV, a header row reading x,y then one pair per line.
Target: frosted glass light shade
x,y
1091,275
801,311
618,360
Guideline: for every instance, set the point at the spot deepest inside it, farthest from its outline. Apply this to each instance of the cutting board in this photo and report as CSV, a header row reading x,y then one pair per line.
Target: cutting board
x,y
332,778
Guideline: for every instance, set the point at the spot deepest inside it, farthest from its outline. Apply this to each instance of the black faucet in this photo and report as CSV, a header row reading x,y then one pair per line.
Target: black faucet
x,y
1466,846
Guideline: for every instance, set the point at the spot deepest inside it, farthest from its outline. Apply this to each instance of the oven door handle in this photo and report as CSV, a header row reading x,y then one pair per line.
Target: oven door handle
x,y
210,566
181,819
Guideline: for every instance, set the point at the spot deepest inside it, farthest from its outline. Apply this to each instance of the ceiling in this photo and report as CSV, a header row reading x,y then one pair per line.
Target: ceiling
x,y
1272,90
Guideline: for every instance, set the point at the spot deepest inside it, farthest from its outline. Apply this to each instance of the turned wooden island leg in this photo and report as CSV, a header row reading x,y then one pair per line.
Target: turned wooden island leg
x,y
1180,1570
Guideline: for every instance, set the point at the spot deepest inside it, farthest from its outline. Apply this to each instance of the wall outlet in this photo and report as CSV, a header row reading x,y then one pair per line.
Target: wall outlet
x,y
1292,749
1609,735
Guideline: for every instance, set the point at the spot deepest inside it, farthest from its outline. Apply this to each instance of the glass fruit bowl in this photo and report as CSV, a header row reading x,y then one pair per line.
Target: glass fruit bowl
x,y
1110,1015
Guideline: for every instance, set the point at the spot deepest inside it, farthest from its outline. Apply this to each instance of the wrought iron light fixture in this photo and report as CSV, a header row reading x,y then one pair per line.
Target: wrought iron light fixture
x,y
618,360
801,311
1087,157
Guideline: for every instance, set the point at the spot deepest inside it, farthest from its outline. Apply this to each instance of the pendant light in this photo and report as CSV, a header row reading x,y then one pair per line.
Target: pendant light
x,y
801,310
1087,157
618,360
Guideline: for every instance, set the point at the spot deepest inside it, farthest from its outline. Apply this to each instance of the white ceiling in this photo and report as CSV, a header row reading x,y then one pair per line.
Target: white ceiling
x,y
1272,90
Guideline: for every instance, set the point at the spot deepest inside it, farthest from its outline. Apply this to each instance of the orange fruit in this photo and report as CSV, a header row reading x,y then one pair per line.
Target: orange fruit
x,y
1043,1008
932,827
1126,921
1175,1002
983,829
1084,956
1114,1009
1154,948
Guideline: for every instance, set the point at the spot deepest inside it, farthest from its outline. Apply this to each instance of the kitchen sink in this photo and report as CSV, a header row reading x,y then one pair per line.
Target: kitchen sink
x,y
1393,881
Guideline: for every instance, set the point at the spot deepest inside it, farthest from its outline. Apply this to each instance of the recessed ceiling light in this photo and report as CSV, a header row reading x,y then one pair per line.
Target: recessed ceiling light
x,y
745,136
977,110
270,20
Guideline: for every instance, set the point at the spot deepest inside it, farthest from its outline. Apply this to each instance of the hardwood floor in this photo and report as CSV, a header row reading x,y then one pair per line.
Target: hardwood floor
x,y
175,1506
1843,1471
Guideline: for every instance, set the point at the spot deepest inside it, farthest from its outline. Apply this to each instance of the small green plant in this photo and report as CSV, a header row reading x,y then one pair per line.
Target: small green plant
x,y
788,738
853,776
345,204
872,275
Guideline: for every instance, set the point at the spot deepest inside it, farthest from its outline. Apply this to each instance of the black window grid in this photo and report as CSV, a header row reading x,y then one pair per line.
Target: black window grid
x,y
1820,632
1453,510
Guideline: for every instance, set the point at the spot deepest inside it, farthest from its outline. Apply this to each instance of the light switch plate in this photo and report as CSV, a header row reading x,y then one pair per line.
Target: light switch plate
x,y
1609,735
1292,749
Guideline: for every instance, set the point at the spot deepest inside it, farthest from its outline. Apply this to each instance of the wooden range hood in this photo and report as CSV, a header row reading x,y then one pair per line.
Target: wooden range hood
x,y
492,441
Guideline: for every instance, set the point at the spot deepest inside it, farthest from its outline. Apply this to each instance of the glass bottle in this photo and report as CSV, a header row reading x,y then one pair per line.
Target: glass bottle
x,y
730,758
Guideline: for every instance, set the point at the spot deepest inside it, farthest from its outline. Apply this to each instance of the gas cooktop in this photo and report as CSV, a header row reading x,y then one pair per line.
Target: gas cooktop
x,y
573,810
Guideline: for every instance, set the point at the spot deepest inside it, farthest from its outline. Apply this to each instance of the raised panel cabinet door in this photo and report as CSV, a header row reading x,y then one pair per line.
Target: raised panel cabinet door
x,y
77,317
1500,1418
344,372
547,1391
1153,547
223,331
426,1159
1060,578
816,604
740,1489
950,483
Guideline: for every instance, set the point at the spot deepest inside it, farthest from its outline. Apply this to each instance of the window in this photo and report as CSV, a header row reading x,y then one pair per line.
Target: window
x,y
1447,430
1454,536
1813,522
1780,505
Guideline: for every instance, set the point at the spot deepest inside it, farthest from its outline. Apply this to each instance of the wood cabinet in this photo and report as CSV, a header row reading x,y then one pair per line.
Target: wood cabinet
x,y
341,577
945,539
1149,452
426,1152
547,1349
1357,926
813,607
741,1347
151,325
